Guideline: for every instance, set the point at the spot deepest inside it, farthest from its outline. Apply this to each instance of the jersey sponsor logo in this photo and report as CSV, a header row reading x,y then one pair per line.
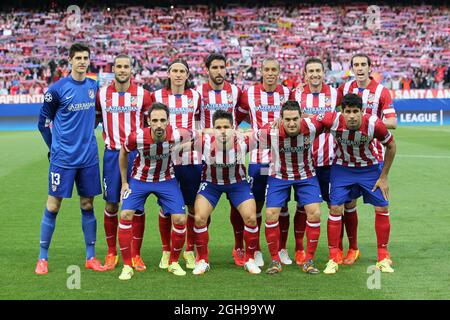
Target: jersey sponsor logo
x,y
361,141
218,106
181,110
48,97
121,109
268,107
157,156
223,165
295,149
318,110
91,93
81,106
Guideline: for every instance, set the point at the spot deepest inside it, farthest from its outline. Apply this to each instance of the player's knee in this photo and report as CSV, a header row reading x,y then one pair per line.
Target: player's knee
x,y
112,207
87,203
250,220
272,215
178,218
337,210
126,215
313,215
200,220
53,204
350,205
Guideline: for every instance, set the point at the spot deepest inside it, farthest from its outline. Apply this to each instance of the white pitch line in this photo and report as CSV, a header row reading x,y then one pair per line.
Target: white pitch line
x,y
422,156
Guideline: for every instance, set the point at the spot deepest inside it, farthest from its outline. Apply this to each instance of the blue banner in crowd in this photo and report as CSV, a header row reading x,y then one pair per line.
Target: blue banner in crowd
x,y
409,111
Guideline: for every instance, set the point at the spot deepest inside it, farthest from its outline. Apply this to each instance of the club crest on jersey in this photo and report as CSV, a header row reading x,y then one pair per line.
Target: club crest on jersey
x,y
364,139
133,101
306,140
48,97
370,98
190,102
327,102
281,99
91,93
230,98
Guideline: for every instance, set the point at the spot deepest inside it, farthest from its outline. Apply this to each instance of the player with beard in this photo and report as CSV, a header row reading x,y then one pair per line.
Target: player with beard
x,y
120,108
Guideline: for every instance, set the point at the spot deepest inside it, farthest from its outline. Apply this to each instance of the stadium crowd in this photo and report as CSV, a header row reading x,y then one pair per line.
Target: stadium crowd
x,y
409,45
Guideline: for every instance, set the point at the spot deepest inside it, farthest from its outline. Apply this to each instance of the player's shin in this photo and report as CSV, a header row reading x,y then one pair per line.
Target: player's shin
x,y
284,227
259,223
201,242
178,237
351,227
382,229
251,240
312,238
125,240
89,226
299,227
164,230
110,223
47,227
138,228
273,238
334,226
238,227
190,235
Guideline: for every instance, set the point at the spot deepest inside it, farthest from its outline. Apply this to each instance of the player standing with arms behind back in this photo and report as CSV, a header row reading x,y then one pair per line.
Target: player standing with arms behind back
x,y
70,104
120,107
218,94
376,101
316,97
261,104
184,104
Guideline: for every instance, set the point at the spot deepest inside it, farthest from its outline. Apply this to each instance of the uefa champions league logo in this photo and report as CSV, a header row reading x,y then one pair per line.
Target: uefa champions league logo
x,y
48,97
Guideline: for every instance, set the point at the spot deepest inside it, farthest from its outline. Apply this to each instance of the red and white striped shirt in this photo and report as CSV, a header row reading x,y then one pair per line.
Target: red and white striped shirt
x,y
356,148
184,112
225,165
213,100
376,99
154,160
262,107
291,156
121,112
313,104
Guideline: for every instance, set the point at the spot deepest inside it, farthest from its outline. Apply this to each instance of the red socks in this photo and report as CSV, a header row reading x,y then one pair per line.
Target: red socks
x,y
382,229
284,227
312,238
125,235
299,228
258,222
238,228
190,239
165,224
273,239
251,240
110,223
351,227
138,233
334,226
201,242
178,237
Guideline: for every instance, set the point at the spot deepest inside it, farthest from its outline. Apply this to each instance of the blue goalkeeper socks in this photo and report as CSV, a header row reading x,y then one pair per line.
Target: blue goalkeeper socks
x,y
89,225
47,228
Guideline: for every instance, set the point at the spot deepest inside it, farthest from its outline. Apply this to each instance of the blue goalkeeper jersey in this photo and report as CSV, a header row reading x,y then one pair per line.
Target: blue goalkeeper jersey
x,y
70,105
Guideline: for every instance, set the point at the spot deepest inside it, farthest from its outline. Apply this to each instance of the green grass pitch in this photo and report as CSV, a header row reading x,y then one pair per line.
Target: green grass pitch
x,y
419,243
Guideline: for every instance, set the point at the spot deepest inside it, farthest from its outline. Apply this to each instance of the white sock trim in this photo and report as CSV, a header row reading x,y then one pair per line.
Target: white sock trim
x,y
251,230
110,214
272,225
313,225
200,230
178,230
334,218
124,226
